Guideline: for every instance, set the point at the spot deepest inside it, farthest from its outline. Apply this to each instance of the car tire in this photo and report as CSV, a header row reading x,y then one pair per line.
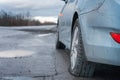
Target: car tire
x,y
59,44
78,64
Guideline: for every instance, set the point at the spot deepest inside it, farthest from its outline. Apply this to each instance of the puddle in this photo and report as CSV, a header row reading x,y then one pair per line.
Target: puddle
x,y
17,78
42,35
15,53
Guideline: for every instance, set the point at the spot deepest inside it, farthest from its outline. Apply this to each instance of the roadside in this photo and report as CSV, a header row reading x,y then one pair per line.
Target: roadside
x,y
28,53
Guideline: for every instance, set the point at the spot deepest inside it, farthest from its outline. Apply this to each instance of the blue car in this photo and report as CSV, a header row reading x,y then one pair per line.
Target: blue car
x,y
90,29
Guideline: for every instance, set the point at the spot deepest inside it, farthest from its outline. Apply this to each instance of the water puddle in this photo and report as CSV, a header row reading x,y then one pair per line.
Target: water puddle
x,y
15,53
42,35
17,78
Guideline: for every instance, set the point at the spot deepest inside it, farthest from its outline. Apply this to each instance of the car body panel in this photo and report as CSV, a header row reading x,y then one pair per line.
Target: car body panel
x,y
66,22
97,19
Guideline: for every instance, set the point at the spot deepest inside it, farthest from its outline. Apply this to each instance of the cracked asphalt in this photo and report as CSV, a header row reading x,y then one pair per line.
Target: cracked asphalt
x,y
28,53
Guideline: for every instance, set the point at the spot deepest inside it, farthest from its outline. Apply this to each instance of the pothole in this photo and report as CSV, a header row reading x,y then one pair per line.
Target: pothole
x,y
15,53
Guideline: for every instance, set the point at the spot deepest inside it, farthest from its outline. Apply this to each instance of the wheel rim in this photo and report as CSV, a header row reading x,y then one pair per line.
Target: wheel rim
x,y
74,48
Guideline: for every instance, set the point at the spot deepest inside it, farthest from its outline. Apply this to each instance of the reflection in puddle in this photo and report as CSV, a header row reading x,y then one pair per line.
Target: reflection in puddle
x,y
15,53
17,78
42,35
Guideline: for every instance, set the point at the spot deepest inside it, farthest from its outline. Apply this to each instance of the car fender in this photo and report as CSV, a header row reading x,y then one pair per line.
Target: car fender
x,y
86,6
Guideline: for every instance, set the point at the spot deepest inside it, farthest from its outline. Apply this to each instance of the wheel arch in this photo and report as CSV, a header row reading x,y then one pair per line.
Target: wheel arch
x,y
75,16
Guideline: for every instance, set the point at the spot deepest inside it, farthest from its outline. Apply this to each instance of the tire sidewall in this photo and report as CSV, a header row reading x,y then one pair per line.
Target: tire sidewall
x,y
78,55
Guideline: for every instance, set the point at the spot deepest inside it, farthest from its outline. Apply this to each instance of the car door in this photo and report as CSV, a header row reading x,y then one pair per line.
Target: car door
x,y
66,19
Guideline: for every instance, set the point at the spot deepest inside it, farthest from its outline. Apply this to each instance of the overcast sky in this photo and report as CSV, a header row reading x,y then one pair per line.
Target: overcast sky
x,y
35,7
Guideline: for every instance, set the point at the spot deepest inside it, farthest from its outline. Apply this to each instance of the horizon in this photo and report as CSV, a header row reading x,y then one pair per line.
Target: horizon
x,y
48,11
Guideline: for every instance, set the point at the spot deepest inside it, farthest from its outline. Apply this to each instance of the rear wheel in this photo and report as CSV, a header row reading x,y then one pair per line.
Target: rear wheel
x,y
78,64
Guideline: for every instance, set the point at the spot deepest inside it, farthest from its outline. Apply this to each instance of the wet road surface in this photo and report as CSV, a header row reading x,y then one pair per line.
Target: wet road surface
x,y
28,53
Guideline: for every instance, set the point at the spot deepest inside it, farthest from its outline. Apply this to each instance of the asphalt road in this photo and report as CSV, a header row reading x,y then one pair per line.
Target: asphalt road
x,y
28,53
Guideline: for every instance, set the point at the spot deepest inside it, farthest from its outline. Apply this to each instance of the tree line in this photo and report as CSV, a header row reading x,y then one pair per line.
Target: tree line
x,y
10,19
